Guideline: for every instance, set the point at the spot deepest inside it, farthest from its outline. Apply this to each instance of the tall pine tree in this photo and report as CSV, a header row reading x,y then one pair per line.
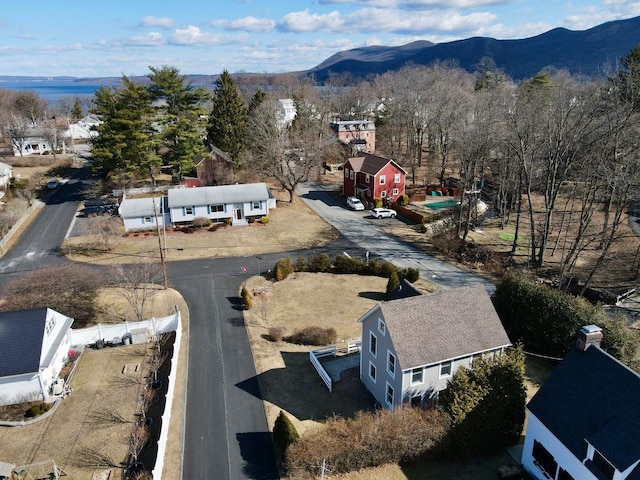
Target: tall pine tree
x,y
179,111
227,122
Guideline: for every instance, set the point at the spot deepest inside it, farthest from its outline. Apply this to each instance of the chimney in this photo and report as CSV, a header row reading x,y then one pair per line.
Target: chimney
x,y
587,336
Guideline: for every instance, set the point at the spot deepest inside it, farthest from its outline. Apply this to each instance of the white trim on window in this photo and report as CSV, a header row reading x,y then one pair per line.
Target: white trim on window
x,y
445,369
188,210
391,364
417,376
372,372
346,173
382,327
396,191
388,398
383,179
396,178
383,194
147,220
373,344
366,178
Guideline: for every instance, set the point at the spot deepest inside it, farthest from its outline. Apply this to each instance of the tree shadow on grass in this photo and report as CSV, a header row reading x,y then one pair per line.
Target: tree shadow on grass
x,y
298,389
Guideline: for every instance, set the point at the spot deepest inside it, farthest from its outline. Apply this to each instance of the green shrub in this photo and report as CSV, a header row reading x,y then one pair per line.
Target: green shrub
x,y
344,264
393,283
284,433
247,301
283,268
384,269
264,220
377,202
251,219
301,264
411,275
37,409
319,263
486,404
314,336
403,200
544,319
227,221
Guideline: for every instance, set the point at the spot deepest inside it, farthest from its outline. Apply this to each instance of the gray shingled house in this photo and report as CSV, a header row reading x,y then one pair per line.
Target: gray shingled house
x,y
584,421
35,345
412,346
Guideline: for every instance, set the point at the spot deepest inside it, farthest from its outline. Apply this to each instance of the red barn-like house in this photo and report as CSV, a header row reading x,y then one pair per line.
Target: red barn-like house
x,y
370,176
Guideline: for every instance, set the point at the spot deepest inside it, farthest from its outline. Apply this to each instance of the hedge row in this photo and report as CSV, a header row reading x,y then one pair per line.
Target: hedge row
x,y
368,440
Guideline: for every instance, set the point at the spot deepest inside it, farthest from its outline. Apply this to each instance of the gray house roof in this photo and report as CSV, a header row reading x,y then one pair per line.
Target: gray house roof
x,y
444,325
141,207
223,194
592,396
21,336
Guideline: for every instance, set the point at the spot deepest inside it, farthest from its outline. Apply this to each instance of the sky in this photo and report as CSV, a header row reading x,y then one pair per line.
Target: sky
x,y
115,37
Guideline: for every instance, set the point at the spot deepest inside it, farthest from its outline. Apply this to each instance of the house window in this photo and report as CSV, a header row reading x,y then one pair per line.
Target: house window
x,y
382,328
395,191
366,178
383,193
396,178
544,460
373,345
564,475
351,175
146,220
383,179
216,208
416,376
391,364
603,465
389,395
346,172
372,372
187,210
445,369
255,205
51,323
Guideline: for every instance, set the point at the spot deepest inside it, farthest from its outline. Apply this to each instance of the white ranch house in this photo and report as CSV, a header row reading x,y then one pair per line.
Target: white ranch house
x,y
584,421
182,206
412,346
35,345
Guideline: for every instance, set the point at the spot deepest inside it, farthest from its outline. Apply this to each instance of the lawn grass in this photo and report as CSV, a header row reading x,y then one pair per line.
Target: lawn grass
x,y
509,237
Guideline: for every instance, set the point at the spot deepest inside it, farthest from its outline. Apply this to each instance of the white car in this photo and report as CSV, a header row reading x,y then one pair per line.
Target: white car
x,y
383,213
355,203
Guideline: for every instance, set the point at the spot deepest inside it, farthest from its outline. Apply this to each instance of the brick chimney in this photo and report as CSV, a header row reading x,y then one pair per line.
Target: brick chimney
x,y
587,336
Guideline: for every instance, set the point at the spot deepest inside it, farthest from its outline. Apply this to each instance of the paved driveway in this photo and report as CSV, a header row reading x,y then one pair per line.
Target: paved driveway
x,y
363,231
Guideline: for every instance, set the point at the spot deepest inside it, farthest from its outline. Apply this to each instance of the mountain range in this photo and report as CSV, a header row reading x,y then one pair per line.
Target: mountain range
x,y
587,52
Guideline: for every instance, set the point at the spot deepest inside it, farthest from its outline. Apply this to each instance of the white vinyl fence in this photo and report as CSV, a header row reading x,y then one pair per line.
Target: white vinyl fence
x,y
353,346
138,332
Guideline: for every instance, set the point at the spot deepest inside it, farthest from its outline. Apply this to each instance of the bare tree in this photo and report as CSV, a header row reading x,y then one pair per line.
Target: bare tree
x,y
105,228
18,132
138,438
140,282
30,106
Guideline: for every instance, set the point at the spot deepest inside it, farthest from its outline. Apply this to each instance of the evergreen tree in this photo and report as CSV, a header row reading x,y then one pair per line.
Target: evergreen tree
x,y
627,79
228,117
125,140
487,404
284,433
179,111
76,110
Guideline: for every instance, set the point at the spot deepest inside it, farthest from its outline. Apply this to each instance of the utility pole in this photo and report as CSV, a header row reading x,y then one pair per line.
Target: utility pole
x,y
164,267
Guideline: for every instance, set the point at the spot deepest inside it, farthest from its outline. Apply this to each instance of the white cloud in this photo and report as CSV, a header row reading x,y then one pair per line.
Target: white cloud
x,y
151,39
161,22
192,35
421,4
310,22
248,24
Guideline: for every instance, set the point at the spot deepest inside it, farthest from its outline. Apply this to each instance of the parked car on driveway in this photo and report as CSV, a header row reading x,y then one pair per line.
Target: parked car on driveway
x,y
355,203
383,213
52,184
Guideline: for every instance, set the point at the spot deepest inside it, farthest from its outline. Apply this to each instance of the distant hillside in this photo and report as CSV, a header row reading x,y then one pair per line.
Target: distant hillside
x,y
585,52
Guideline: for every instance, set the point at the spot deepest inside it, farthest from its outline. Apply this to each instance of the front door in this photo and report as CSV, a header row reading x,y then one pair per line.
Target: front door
x,y
238,214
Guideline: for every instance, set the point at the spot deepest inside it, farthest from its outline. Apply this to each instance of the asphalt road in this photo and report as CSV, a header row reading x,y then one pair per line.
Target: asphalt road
x,y
362,230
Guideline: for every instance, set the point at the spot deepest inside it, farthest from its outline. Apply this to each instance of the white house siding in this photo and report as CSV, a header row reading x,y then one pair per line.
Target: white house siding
x,y
565,459
20,388
180,215
384,345
432,382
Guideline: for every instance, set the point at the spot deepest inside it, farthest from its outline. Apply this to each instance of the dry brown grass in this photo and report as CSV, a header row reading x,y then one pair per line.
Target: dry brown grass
x,y
78,426
291,227
287,378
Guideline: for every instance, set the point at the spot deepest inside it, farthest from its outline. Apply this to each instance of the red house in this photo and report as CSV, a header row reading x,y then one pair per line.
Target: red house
x,y
370,176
